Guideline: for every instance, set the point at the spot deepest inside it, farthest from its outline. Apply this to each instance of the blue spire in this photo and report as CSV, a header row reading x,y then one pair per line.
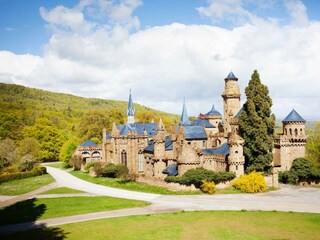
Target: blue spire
x,y
131,110
231,76
213,112
184,120
293,116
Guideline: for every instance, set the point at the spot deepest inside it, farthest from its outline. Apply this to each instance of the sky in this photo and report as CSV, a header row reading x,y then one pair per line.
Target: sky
x,y
165,50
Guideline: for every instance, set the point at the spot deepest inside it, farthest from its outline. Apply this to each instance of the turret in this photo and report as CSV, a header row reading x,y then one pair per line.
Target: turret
x,y
130,110
214,117
159,141
236,158
184,120
231,100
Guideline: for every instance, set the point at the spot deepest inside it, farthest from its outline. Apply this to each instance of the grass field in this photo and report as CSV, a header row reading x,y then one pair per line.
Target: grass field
x,y
189,225
44,208
134,186
21,186
62,190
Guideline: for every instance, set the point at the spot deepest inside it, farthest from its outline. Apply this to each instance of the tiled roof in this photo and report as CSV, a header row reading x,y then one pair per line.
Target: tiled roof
x,y
88,143
231,76
171,170
108,136
168,145
151,128
213,112
150,147
194,132
293,117
203,122
222,150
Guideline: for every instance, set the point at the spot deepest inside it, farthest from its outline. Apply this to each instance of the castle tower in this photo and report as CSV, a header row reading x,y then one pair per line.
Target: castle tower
x,y
231,100
159,141
236,158
130,110
184,120
292,143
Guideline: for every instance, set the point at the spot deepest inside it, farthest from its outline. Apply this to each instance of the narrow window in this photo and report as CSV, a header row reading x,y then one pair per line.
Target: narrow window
x,y
124,157
140,161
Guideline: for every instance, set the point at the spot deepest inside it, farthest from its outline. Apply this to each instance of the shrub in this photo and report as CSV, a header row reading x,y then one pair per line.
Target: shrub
x,y
114,171
288,177
88,166
76,162
208,187
10,169
301,170
252,183
39,170
27,163
197,175
97,168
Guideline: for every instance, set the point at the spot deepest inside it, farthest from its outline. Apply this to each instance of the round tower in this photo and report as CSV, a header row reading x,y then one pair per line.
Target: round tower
x,y
231,100
236,158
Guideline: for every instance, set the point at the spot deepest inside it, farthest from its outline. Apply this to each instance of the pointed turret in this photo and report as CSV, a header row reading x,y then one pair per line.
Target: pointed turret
x,y
130,110
184,120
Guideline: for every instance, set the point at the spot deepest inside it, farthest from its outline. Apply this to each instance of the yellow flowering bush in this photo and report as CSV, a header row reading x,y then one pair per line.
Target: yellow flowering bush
x,y
251,183
208,187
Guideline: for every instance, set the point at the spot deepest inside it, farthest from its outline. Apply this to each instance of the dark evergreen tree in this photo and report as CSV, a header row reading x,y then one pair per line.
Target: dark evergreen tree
x,y
256,125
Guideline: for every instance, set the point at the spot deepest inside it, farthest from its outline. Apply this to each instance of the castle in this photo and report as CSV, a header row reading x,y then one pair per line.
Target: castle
x,y
212,141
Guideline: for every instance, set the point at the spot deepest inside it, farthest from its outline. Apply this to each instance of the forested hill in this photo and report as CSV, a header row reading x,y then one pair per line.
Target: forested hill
x,y
54,120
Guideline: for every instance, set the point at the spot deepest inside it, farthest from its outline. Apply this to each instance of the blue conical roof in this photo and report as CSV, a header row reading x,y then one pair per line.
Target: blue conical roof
x,y
213,112
184,120
293,117
238,114
131,110
89,143
231,76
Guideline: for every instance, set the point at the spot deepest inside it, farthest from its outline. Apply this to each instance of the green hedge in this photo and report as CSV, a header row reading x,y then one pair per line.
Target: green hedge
x,y
197,175
301,170
39,170
114,171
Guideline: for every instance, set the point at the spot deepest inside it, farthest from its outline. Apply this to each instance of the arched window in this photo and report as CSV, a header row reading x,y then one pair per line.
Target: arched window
x,y
285,131
85,155
290,131
124,157
296,132
301,133
95,154
140,161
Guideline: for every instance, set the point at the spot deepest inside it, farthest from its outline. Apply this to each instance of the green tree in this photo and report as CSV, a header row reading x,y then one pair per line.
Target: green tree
x,y
49,137
313,146
8,153
256,124
68,149
29,146
92,123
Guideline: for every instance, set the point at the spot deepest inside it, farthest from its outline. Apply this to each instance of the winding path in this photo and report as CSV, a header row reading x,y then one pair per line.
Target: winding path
x,y
288,198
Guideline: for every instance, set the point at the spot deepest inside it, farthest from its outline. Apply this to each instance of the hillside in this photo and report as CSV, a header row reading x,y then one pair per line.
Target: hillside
x,y
33,113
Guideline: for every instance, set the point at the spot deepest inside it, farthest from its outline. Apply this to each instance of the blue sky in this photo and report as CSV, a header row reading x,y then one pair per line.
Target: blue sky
x,y
102,48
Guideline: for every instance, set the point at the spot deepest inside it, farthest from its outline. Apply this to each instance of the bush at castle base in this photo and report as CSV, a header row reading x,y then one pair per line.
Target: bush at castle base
x,y
208,187
252,183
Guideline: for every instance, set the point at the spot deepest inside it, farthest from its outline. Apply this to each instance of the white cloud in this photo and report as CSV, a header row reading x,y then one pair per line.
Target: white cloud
x,y
297,11
163,64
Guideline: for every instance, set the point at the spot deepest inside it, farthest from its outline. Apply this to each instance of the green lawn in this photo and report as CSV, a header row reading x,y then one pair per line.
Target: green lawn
x,y
44,208
55,165
21,186
134,186
188,225
62,190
